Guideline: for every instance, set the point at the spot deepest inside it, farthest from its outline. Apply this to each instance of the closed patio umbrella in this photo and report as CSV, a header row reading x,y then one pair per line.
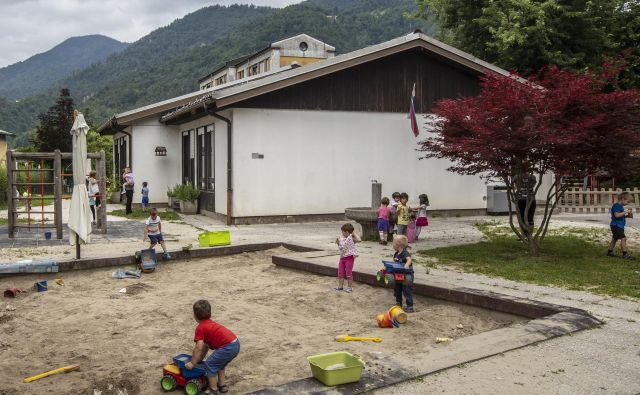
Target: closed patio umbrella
x,y
79,213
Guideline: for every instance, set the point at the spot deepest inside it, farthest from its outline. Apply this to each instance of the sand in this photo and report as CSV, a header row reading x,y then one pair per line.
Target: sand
x,y
281,316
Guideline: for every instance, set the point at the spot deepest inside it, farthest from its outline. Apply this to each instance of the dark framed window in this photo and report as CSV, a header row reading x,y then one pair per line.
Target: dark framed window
x,y
120,156
205,142
188,162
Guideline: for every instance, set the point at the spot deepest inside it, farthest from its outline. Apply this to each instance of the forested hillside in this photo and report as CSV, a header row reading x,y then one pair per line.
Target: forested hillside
x,y
39,72
169,61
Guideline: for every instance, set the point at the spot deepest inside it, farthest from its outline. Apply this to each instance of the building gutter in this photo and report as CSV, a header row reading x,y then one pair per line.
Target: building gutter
x,y
229,168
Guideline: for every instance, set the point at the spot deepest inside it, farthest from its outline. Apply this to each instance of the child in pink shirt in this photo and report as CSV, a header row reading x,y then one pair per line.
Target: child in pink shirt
x,y
383,220
348,253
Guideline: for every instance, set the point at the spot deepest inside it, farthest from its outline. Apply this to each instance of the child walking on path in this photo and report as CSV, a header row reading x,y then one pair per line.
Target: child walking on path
x,y
422,220
153,230
211,335
403,214
383,220
348,253
618,221
94,194
403,256
145,196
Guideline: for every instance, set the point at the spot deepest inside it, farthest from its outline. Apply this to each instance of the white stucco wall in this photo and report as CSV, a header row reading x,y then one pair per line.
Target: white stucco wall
x,y
319,162
159,171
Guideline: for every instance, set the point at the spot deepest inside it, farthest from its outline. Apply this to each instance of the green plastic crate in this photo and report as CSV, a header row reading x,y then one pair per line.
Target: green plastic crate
x,y
211,239
350,373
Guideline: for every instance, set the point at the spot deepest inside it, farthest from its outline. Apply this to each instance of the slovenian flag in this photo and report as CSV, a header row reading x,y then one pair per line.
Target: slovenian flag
x,y
412,112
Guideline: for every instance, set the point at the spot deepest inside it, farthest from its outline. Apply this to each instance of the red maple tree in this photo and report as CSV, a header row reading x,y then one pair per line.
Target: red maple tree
x,y
559,123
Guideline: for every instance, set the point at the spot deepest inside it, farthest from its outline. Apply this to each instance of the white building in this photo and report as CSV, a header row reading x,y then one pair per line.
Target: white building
x,y
300,49
306,141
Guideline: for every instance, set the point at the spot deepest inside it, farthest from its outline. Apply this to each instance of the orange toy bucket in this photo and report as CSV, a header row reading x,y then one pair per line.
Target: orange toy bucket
x,y
398,314
384,321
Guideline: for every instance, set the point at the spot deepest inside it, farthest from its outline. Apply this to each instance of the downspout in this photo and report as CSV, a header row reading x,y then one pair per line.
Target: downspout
x,y
229,170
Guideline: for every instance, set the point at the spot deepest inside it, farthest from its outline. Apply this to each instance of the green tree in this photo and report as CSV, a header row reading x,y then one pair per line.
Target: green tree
x,y
53,131
96,143
526,35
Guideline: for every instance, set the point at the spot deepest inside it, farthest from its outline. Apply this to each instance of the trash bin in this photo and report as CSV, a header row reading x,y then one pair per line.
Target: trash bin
x,y
497,200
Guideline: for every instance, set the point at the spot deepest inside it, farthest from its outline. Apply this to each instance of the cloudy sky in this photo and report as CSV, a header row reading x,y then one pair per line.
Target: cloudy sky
x,y
33,26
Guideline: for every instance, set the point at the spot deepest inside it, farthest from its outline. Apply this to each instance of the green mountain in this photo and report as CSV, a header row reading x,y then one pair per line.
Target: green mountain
x,y
169,61
39,72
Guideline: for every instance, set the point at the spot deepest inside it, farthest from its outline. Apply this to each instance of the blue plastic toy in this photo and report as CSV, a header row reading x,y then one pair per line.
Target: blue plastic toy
x,y
394,272
147,260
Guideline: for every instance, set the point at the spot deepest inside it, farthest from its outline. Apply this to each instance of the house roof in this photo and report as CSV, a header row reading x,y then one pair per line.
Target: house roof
x,y
5,133
274,44
231,63
236,91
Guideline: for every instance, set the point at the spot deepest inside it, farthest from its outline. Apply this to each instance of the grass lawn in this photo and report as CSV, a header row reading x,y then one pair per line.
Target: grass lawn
x,y
138,213
572,258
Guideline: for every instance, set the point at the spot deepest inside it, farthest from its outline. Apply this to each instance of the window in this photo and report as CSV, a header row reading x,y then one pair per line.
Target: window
x,y
254,69
205,165
188,165
120,155
240,74
221,80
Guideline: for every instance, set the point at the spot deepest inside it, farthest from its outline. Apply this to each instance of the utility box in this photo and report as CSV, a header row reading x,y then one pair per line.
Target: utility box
x,y
497,200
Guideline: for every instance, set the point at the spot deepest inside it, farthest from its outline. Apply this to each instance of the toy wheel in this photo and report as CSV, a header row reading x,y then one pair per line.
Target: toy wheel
x,y
408,280
389,280
168,383
192,387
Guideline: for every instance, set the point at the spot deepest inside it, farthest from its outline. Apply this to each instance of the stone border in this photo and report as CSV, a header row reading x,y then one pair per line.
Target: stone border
x,y
96,263
547,321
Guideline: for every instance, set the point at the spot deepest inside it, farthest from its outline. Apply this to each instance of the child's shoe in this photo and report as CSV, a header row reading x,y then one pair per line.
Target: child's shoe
x,y
611,254
409,309
348,290
166,255
338,289
628,256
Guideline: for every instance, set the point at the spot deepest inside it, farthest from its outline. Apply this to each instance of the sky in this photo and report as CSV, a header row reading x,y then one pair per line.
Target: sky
x,y
34,26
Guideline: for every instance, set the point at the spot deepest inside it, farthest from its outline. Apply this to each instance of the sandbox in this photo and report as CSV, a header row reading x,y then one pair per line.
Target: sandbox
x,y
121,340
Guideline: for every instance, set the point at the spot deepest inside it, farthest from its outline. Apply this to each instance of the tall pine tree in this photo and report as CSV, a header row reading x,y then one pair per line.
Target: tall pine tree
x,y
53,130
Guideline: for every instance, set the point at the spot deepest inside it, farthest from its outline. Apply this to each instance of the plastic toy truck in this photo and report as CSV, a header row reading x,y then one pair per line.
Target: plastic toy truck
x,y
147,260
394,272
174,374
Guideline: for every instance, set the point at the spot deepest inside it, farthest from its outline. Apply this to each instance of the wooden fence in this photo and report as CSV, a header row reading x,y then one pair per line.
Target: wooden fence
x,y
577,200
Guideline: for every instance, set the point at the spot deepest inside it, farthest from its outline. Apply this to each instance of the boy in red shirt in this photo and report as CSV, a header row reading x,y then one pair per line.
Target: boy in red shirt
x,y
211,335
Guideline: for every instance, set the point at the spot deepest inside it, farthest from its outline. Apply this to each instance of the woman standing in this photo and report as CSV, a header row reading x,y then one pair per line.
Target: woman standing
x,y
129,184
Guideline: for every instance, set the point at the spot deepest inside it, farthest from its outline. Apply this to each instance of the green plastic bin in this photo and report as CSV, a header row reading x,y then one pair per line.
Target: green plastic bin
x,y
350,373
211,239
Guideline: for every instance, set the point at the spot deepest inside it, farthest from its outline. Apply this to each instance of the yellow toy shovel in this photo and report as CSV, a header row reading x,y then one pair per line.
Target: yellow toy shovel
x,y
347,338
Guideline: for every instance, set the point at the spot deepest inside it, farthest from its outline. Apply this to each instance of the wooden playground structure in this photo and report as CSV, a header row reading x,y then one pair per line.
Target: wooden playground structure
x,y
40,177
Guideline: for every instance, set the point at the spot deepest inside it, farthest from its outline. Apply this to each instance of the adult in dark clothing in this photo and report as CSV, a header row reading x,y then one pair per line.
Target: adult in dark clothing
x,y
525,188
129,184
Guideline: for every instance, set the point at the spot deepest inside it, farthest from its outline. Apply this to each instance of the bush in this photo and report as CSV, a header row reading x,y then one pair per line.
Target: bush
x,y
186,192
171,192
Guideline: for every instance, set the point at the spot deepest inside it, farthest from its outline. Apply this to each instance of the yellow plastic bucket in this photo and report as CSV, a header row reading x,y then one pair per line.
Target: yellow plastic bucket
x,y
399,314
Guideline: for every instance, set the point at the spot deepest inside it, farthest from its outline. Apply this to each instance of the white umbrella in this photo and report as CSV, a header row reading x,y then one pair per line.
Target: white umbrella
x,y
79,213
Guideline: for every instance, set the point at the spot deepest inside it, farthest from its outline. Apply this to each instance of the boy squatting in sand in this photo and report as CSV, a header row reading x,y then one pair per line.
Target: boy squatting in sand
x,y
211,335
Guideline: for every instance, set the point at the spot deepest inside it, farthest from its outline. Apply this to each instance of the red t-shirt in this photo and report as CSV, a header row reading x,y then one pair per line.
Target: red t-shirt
x,y
213,334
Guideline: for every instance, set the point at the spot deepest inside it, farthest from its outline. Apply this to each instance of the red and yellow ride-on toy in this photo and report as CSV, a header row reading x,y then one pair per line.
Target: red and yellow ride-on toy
x,y
174,374
394,272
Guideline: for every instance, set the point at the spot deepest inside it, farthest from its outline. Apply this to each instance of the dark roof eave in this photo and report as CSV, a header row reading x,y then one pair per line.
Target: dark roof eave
x,y
111,127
